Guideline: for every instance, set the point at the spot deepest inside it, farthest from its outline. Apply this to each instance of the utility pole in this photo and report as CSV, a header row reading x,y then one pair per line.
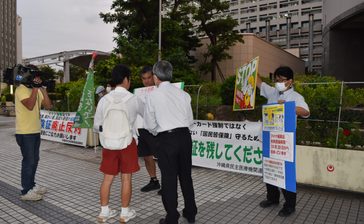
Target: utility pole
x,y
160,32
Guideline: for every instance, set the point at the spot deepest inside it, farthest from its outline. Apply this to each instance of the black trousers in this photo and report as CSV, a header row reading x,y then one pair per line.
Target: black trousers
x,y
273,195
175,161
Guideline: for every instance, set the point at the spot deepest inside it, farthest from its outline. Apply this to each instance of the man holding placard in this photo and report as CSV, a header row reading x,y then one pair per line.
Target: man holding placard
x,y
281,93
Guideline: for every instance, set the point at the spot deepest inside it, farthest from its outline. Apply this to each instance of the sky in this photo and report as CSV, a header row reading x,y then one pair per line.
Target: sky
x,y
52,26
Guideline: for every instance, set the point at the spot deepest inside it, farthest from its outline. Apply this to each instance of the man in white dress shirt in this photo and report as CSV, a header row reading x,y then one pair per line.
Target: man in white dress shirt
x,y
282,92
168,114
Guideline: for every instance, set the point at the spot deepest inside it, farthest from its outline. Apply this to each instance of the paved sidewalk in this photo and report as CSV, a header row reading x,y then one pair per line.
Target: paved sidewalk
x,y
72,177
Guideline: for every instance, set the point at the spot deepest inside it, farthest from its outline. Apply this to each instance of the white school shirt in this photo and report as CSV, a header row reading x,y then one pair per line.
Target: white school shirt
x,y
273,95
133,104
167,107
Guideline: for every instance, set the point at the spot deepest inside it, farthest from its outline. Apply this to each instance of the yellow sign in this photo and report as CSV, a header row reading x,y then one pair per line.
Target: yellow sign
x,y
245,86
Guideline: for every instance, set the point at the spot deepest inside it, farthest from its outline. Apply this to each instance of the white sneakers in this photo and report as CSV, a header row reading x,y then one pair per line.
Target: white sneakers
x,y
130,215
31,195
102,218
39,189
35,194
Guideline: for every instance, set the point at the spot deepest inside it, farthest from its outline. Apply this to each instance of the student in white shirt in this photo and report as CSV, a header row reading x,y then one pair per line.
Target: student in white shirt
x,y
123,161
168,114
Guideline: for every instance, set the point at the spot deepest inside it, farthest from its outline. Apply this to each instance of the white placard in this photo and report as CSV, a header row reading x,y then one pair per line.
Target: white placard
x,y
281,146
274,172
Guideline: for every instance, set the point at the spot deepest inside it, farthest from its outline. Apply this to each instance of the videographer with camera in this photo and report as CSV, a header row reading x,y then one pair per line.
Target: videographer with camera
x,y
30,95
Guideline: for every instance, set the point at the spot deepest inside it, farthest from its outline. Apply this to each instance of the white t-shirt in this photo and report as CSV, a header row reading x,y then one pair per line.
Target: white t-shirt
x,y
273,95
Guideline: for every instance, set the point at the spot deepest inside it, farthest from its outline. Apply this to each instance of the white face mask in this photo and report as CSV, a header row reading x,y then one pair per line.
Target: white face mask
x,y
281,86
108,89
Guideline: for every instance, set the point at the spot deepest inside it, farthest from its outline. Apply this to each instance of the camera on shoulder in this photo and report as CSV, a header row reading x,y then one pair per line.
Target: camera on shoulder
x,y
26,75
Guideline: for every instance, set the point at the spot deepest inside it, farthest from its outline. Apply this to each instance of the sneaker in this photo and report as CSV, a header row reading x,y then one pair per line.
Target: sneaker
x,y
152,185
39,189
103,218
131,214
31,195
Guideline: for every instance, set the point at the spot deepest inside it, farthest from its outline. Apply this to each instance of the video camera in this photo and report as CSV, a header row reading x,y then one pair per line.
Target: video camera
x,y
25,75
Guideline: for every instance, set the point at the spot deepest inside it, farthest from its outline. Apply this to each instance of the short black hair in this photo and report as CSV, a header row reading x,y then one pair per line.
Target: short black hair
x,y
284,71
118,74
146,69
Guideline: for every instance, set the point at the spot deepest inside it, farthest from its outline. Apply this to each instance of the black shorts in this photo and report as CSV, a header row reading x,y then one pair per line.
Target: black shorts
x,y
146,143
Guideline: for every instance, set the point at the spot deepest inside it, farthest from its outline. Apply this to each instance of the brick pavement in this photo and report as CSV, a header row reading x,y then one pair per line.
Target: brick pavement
x,y
72,177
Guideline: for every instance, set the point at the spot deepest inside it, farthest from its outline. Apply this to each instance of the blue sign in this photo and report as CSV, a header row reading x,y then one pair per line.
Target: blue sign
x,y
279,145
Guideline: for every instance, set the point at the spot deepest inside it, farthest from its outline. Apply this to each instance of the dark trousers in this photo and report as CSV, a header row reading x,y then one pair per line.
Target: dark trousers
x,y
273,195
175,161
29,147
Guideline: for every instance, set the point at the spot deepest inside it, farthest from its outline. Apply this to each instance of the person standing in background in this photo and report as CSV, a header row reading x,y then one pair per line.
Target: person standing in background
x,y
146,141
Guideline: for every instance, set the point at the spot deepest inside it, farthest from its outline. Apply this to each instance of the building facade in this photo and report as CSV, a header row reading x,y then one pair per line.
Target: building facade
x,y
270,57
343,36
285,23
8,38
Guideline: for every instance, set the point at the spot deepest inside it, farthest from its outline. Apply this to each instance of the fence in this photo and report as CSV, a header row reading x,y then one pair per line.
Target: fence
x,y
336,120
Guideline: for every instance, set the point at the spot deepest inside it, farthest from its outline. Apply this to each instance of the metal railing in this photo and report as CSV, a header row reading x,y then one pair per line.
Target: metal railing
x,y
343,99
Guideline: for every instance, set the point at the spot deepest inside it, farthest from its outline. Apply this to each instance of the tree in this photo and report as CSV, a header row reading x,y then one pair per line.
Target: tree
x,y
219,28
137,34
136,28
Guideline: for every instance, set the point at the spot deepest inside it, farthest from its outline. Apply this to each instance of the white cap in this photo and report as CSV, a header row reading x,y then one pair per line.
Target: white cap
x,y
99,89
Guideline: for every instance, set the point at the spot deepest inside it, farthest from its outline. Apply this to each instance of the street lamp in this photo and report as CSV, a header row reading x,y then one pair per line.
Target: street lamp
x,y
160,32
310,43
288,34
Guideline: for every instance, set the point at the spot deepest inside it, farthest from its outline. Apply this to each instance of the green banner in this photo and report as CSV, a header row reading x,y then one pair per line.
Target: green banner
x,y
86,108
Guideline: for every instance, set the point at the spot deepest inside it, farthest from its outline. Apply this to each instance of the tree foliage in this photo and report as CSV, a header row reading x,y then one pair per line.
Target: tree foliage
x,y
137,33
219,28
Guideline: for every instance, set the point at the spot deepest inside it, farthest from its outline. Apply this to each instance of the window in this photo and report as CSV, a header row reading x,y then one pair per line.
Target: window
x,y
293,13
295,25
305,24
262,29
310,1
252,19
234,12
244,10
243,20
263,7
234,2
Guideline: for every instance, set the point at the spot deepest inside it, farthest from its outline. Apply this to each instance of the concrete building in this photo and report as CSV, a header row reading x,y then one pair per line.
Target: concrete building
x,y
286,23
7,34
343,38
270,57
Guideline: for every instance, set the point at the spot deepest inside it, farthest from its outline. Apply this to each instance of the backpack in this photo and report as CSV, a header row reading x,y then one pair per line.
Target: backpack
x,y
115,132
